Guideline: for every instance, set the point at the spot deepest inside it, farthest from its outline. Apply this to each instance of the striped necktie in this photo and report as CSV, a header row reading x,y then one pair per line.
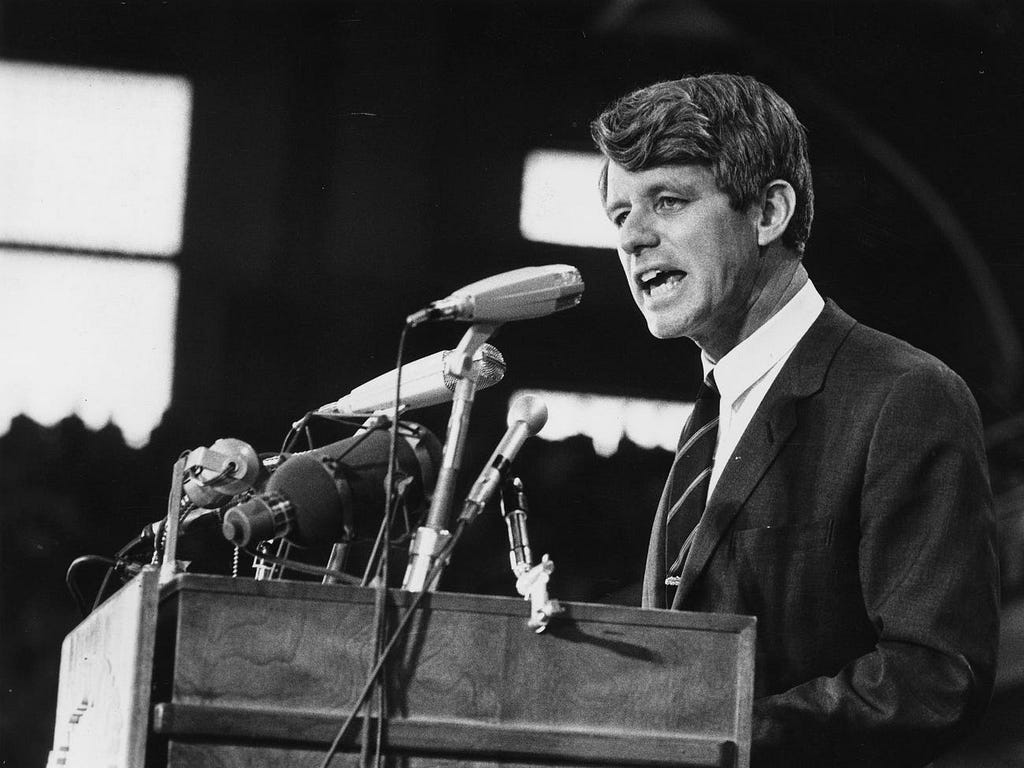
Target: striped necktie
x,y
690,478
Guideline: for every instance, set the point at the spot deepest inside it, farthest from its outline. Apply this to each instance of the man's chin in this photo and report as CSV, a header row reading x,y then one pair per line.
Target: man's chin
x,y
662,327
659,329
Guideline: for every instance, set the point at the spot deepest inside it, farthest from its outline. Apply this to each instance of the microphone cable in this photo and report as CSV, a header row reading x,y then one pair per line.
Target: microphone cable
x,y
71,580
374,677
380,553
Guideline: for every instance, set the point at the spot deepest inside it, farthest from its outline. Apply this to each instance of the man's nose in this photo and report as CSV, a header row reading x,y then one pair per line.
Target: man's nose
x,y
636,233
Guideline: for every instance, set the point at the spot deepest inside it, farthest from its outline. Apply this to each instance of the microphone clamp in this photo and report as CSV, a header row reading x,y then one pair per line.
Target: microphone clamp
x,y
451,308
533,586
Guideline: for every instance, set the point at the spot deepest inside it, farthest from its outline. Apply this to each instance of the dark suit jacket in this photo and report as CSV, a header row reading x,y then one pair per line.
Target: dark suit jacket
x,y
855,522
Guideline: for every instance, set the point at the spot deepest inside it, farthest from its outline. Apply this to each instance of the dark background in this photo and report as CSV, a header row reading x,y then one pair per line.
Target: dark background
x,y
352,161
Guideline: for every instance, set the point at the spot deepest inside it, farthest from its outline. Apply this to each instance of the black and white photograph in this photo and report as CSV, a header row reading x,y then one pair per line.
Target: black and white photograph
x,y
469,383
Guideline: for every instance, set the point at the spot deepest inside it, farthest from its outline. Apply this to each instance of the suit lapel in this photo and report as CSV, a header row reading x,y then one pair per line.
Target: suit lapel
x,y
654,574
772,424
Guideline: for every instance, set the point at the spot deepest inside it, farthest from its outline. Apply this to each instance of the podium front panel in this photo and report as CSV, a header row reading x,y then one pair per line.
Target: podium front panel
x,y
253,669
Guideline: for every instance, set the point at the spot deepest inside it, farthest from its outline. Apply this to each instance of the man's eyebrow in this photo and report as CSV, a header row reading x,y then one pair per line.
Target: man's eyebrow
x,y
684,188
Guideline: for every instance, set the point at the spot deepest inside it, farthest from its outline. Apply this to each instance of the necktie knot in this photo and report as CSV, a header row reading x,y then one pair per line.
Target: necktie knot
x,y
708,387
703,418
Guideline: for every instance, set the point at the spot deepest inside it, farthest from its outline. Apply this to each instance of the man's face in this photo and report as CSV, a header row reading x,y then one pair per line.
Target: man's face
x,y
690,259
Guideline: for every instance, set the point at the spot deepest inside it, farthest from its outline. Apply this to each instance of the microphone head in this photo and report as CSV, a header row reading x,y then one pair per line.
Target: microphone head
x,y
520,294
488,366
225,469
425,382
529,410
306,488
337,492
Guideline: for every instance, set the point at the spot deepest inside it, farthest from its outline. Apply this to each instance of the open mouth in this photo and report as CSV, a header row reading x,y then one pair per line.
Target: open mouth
x,y
656,282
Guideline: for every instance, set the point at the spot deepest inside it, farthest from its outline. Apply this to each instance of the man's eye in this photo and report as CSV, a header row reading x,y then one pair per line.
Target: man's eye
x,y
620,218
668,203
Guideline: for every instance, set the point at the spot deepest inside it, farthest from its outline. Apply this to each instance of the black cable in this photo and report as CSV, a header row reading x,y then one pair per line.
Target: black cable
x,y
293,434
434,572
380,631
301,427
76,595
69,578
123,552
371,563
103,587
353,420
288,440
119,563
380,549
384,534
378,559
380,604
356,442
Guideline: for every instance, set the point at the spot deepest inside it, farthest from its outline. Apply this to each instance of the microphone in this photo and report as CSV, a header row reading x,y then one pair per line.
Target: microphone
x,y
425,382
517,295
526,417
213,475
194,520
331,493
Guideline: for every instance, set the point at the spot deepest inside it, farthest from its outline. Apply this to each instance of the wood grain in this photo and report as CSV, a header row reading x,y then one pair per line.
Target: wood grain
x,y
105,672
280,664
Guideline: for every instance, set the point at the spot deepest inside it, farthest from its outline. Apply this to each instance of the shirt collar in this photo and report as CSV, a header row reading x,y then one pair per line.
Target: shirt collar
x,y
752,358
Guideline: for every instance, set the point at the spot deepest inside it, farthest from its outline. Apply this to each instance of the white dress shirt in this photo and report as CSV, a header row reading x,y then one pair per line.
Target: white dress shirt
x,y
747,371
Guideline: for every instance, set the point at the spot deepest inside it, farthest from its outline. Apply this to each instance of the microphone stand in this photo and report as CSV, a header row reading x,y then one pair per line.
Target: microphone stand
x,y
431,537
169,563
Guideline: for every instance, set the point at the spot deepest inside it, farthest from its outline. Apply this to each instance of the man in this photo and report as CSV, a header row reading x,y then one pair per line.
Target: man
x,y
847,499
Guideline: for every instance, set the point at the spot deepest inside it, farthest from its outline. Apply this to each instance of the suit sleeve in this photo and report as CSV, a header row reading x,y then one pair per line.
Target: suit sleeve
x,y
929,576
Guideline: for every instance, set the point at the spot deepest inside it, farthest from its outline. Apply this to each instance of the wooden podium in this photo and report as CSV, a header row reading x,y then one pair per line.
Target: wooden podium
x,y
248,673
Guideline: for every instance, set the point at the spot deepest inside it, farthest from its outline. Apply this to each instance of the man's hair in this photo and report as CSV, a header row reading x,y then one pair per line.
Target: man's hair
x,y
739,128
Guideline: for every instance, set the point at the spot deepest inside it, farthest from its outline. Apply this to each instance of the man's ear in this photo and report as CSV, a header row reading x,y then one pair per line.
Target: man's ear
x,y
777,208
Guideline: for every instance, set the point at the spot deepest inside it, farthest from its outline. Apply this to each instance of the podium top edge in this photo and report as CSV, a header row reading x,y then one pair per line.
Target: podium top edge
x,y
183,584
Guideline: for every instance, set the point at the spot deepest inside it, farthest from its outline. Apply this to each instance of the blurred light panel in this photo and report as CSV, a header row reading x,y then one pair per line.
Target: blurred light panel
x,y
93,159
86,335
561,203
607,420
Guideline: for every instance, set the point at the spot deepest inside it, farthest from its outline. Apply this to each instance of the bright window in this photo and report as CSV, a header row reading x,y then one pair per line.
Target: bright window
x,y
560,200
92,159
607,420
91,336
92,195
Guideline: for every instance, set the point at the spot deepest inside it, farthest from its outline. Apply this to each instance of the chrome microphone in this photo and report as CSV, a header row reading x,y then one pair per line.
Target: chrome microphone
x,y
520,294
526,417
425,382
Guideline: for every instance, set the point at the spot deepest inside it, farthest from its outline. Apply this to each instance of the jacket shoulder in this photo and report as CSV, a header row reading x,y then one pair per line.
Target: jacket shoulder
x,y
871,355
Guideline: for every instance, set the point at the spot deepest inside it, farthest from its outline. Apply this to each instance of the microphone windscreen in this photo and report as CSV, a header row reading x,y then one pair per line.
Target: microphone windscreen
x,y
337,492
489,365
318,502
530,410
358,467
